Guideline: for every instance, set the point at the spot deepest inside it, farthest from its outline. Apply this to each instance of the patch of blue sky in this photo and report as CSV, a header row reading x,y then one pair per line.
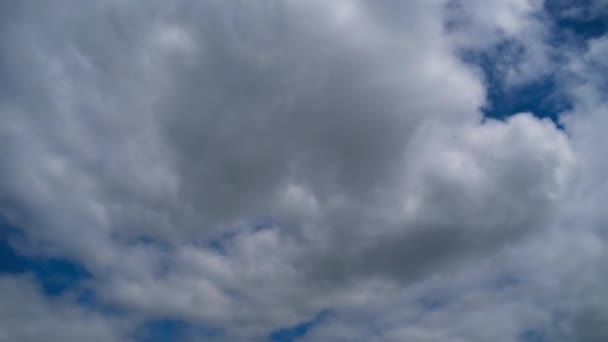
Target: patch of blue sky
x,y
581,18
162,330
540,96
532,335
55,275
293,333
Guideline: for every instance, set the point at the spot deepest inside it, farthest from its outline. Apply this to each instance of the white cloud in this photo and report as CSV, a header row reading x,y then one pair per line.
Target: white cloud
x,y
142,140
514,34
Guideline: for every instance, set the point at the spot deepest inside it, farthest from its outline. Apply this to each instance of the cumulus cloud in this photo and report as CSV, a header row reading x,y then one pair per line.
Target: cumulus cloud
x,y
245,166
27,316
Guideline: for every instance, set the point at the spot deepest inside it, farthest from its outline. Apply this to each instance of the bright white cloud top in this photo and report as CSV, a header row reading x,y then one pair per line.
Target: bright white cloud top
x,y
319,170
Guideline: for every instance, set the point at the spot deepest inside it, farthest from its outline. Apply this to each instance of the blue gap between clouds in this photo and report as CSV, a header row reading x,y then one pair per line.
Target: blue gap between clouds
x,y
539,96
290,334
55,275
162,330
532,335
592,26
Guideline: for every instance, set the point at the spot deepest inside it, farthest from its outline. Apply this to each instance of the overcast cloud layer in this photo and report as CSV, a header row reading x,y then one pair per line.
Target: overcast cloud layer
x,y
247,170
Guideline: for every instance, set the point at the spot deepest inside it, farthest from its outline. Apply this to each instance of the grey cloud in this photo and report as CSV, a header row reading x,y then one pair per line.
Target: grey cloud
x,y
26,315
327,114
354,126
583,221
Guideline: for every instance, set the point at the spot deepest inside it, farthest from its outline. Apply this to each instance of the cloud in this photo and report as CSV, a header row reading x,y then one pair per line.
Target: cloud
x,y
509,38
583,220
245,166
28,316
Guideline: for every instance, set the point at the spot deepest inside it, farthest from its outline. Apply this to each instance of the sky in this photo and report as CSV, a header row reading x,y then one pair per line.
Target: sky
x,y
320,170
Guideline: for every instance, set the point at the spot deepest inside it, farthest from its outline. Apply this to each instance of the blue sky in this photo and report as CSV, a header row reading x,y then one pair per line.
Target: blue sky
x,y
319,171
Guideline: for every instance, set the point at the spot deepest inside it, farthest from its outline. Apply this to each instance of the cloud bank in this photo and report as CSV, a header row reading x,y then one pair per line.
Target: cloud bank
x,y
246,167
